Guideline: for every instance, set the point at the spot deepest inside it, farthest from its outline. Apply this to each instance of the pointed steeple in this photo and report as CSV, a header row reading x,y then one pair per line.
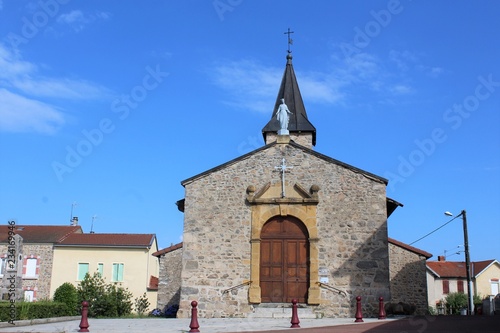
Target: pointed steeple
x,y
298,124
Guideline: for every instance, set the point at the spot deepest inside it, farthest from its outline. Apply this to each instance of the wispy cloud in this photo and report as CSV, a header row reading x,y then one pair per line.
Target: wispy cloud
x,y
23,88
21,114
247,80
78,20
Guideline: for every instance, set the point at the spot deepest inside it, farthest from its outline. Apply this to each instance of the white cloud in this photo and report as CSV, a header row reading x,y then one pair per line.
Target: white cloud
x,y
248,80
78,20
22,87
21,114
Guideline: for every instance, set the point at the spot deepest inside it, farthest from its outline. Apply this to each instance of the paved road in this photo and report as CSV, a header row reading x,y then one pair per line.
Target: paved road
x,y
442,324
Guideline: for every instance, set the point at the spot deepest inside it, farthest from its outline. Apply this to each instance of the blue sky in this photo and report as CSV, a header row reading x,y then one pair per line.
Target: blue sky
x,y
111,104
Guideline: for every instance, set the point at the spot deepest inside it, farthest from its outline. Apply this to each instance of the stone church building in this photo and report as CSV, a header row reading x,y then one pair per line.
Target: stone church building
x,y
284,222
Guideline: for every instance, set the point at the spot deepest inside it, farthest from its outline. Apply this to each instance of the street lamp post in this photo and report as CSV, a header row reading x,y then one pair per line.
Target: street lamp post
x,y
470,302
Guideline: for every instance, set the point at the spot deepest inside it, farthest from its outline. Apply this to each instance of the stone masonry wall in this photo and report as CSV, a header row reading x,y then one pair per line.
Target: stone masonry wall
x,y
41,283
408,278
169,285
351,222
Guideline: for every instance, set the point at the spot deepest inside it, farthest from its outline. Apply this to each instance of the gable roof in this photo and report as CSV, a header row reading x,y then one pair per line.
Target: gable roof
x,y
478,267
456,269
168,249
410,248
41,233
295,145
109,240
289,91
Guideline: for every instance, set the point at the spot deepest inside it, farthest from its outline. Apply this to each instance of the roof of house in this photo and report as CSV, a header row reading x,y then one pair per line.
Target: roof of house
x,y
168,249
289,91
108,240
410,248
153,283
456,269
41,233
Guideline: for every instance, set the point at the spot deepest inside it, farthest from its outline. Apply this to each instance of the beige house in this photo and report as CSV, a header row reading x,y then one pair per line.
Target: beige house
x,y
285,222
124,259
445,277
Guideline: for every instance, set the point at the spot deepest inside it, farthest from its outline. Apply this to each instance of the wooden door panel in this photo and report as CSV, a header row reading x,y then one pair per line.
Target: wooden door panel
x,y
284,271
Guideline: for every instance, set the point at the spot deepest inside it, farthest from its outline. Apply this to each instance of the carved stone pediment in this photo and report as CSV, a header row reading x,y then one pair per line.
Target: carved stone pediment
x,y
271,194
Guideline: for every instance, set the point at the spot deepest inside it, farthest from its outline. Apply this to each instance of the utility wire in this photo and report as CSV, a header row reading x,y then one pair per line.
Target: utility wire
x,y
433,231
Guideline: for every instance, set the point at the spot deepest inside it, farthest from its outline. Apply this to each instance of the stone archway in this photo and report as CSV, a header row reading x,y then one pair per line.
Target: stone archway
x,y
284,260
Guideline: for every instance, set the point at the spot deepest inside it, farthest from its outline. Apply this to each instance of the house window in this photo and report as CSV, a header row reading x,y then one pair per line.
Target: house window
x,y
100,268
30,268
83,268
2,266
460,286
446,287
494,286
117,272
29,295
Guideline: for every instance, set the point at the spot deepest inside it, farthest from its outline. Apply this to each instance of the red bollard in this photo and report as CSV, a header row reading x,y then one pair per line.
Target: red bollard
x,y
381,309
84,324
194,318
359,314
295,316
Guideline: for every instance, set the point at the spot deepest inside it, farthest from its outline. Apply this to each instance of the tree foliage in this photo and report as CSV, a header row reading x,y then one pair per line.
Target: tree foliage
x,y
105,300
141,304
455,302
66,293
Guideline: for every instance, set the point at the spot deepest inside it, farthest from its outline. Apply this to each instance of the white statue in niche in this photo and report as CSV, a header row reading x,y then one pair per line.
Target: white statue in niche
x,y
282,116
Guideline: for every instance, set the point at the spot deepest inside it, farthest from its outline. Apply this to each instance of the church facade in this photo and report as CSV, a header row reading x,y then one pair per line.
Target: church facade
x,y
285,222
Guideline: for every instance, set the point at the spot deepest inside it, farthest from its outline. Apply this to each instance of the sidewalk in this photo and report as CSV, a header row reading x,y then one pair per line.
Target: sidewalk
x,y
429,324
163,325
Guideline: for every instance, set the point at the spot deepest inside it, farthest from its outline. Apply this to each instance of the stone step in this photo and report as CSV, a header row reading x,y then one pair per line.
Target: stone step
x,y
281,312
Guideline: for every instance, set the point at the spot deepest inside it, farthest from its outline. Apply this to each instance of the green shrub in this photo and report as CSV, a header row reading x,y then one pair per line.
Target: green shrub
x,y
105,300
33,310
141,304
455,302
67,294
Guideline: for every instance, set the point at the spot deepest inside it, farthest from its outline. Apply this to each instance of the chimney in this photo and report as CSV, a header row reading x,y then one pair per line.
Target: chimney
x,y
74,221
441,258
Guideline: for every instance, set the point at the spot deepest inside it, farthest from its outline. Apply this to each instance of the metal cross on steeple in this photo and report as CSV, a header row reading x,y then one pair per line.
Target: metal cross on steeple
x,y
283,168
290,41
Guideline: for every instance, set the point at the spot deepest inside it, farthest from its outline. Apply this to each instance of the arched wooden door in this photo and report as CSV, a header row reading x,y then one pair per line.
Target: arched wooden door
x,y
284,261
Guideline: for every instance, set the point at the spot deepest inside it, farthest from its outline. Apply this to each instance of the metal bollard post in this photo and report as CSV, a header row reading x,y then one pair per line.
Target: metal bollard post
x,y
359,314
194,318
381,309
295,316
84,324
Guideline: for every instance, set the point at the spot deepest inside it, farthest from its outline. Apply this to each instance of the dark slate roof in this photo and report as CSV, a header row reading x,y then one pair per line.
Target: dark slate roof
x,y
410,248
293,144
289,90
109,240
40,233
392,205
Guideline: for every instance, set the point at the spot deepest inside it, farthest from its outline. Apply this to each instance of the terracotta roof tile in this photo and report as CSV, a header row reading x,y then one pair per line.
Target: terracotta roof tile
x,y
40,233
456,269
168,249
122,240
153,283
427,255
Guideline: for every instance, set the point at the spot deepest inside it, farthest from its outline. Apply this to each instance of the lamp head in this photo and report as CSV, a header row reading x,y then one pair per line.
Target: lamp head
x,y
448,213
